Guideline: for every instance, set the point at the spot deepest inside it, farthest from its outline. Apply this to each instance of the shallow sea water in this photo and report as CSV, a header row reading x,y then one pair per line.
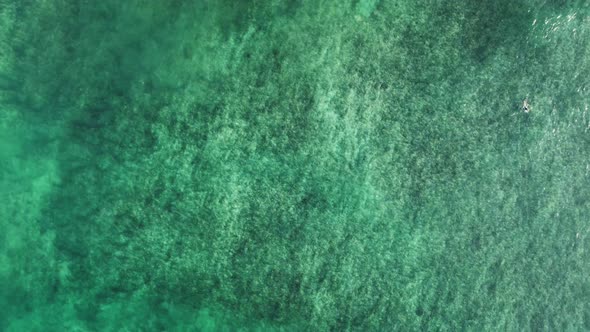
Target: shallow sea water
x,y
294,165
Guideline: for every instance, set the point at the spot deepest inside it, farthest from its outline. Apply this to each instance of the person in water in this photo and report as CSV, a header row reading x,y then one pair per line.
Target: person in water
x,y
525,105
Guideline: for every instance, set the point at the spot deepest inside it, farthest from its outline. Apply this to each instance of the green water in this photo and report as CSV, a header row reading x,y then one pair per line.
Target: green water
x,y
294,165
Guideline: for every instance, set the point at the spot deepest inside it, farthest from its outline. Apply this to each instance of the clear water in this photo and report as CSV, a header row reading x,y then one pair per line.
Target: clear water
x,y
294,165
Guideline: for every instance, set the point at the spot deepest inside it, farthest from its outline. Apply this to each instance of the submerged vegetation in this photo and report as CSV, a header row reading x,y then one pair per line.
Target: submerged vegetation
x,y
295,165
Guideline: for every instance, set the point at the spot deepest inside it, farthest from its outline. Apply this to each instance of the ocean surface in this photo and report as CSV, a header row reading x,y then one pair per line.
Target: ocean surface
x,y
294,165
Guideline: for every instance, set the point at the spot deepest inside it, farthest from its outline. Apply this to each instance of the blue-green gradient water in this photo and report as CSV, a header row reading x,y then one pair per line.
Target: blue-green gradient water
x,y
294,165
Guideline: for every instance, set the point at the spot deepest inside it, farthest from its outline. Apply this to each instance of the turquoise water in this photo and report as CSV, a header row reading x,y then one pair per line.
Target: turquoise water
x,y
294,165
